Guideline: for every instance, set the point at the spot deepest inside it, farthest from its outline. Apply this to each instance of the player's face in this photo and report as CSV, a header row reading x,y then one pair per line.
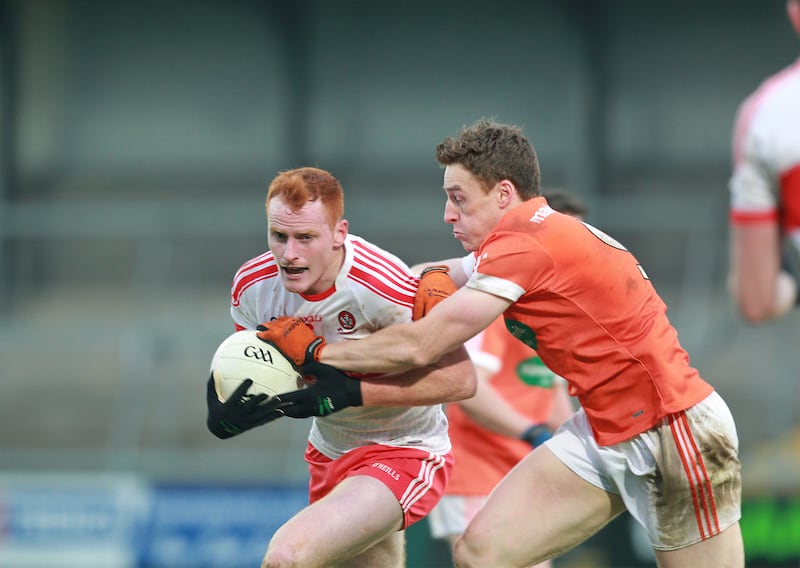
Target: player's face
x,y
308,252
472,212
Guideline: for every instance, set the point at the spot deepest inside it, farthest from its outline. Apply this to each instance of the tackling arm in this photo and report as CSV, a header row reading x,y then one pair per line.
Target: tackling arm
x,y
421,343
451,379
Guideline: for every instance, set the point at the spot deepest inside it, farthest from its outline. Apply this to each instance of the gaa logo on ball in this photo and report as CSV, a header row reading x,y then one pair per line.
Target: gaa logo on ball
x,y
243,355
258,353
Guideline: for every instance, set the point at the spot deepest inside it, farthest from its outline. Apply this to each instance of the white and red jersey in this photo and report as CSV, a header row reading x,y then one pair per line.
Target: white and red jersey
x,y
373,289
765,185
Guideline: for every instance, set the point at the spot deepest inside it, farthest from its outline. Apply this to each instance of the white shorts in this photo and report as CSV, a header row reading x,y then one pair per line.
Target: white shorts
x,y
680,480
452,514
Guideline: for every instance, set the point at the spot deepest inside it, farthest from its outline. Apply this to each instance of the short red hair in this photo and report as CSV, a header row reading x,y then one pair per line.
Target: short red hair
x,y
299,186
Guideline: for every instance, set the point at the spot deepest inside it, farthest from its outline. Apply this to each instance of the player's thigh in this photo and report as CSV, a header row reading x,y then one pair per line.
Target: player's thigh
x,y
724,550
390,552
358,513
540,509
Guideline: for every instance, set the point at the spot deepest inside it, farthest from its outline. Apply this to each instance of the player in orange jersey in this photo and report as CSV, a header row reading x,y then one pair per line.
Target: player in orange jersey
x,y
765,195
490,436
651,435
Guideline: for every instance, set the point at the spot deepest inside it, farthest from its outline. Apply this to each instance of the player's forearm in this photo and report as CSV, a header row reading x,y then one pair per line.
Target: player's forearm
x,y
452,379
491,411
393,349
762,290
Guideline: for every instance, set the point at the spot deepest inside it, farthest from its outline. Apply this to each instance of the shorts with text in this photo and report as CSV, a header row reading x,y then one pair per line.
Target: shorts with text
x,y
416,477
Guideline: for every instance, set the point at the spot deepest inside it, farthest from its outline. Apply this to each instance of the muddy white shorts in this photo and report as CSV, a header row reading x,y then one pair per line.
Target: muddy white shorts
x,y
680,480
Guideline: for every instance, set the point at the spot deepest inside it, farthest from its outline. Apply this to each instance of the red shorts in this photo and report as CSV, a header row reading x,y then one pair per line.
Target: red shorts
x,y
416,477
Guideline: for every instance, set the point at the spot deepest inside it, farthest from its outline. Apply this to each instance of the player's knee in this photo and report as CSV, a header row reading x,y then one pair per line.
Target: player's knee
x,y
467,553
278,556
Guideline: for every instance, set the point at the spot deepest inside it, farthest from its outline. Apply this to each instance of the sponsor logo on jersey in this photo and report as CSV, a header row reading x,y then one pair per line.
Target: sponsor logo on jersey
x,y
534,372
541,214
522,332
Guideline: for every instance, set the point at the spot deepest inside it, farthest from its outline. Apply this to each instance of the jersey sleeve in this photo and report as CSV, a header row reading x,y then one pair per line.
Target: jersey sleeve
x,y
752,194
498,261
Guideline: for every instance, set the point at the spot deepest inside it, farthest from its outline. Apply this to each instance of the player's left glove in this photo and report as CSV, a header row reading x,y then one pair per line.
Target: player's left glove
x,y
294,338
536,435
240,412
435,285
330,392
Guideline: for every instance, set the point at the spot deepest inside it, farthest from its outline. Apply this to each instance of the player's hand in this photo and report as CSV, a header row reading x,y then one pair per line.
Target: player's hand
x,y
294,338
435,285
329,391
240,412
536,435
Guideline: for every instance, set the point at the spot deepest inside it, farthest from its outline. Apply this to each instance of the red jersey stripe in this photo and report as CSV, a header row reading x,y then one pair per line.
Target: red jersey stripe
x,y
250,273
382,276
372,258
379,287
752,217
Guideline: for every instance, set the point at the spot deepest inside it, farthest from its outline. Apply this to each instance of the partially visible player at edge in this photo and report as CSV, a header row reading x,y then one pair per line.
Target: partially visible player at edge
x,y
651,435
518,404
765,195
380,466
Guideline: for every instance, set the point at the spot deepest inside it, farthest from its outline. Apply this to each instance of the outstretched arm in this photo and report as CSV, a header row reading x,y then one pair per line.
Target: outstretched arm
x,y
421,343
395,348
451,379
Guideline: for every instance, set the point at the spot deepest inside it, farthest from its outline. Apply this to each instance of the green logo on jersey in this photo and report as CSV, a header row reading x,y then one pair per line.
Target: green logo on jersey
x,y
522,332
535,373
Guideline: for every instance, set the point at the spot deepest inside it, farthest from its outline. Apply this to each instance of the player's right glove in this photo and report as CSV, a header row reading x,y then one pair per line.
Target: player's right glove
x,y
435,285
536,435
293,337
240,412
330,391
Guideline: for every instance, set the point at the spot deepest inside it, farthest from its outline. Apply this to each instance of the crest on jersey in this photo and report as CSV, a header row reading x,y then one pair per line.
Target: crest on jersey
x,y
522,332
347,321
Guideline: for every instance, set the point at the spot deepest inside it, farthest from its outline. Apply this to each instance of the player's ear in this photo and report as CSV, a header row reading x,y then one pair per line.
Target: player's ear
x,y
505,193
340,232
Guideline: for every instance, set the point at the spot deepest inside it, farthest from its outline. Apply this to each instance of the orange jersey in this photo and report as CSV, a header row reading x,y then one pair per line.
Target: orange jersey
x,y
484,457
588,308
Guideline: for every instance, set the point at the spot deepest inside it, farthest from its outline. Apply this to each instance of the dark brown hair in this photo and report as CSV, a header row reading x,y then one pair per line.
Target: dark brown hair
x,y
493,152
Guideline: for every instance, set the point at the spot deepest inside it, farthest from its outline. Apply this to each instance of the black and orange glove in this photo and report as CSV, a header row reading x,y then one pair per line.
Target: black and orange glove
x,y
435,285
293,338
